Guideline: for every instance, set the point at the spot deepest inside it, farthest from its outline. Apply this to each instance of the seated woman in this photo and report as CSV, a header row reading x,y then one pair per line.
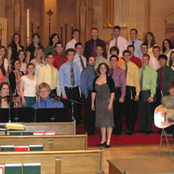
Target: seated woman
x,y
5,98
45,101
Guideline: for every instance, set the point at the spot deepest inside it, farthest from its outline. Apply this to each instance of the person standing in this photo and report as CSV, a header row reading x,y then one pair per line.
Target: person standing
x,y
135,42
103,92
148,78
118,76
87,77
91,45
69,75
79,59
50,75
132,92
118,41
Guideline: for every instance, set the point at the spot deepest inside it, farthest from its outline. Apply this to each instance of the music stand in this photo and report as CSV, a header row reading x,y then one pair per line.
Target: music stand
x,y
53,115
22,115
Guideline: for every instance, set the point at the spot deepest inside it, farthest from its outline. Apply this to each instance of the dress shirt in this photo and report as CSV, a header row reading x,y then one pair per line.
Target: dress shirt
x,y
149,79
57,60
132,78
48,103
101,59
78,62
137,61
65,76
71,44
121,62
121,44
119,80
168,76
87,77
89,47
46,73
137,45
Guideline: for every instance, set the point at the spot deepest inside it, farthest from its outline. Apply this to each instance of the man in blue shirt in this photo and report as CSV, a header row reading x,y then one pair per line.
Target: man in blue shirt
x,y
87,77
69,77
45,101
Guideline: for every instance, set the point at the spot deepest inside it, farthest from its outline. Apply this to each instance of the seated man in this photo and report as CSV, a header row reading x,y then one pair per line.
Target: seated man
x,y
45,101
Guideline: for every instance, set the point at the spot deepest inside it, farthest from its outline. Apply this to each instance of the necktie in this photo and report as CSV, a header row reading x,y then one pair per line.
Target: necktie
x,y
72,75
141,78
133,42
81,61
116,42
94,49
52,85
126,70
161,79
61,59
112,72
45,104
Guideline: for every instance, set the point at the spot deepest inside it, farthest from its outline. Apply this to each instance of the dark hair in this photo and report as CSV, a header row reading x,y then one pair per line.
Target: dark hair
x,y
116,27
114,56
2,67
70,50
13,64
30,64
13,44
170,59
146,55
100,46
126,51
4,49
170,85
94,28
40,48
58,43
107,68
156,47
114,48
162,56
170,44
51,38
50,54
144,44
153,39
36,34
9,99
131,46
90,57
77,44
75,30
24,55
134,29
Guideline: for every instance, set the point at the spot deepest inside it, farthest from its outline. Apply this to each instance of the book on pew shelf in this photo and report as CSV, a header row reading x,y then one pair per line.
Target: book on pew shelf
x,y
2,169
21,148
17,126
36,147
32,168
7,148
50,132
15,133
39,133
13,168
27,133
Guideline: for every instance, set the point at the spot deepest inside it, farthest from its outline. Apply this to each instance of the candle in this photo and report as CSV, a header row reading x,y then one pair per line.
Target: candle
x,y
28,24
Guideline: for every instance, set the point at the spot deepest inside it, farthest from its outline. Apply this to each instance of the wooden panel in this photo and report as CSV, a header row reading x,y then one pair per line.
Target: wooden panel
x,y
113,169
72,162
50,142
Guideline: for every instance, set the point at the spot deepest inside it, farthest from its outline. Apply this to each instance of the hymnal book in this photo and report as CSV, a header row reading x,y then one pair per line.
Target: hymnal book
x,y
7,148
21,148
39,133
27,133
14,126
13,168
15,133
50,132
31,168
2,169
36,147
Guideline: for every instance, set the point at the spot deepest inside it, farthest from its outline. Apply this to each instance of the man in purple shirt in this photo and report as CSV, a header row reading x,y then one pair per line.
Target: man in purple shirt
x,y
118,76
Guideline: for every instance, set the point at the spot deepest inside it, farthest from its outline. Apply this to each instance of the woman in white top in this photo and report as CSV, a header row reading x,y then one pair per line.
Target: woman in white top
x,y
39,60
22,60
28,86
3,52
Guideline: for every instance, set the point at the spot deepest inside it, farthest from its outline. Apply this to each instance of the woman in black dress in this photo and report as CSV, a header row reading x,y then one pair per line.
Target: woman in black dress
x,y
103,93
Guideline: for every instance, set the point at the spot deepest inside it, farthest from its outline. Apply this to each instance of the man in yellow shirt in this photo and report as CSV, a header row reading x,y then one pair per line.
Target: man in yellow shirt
x,y
132,92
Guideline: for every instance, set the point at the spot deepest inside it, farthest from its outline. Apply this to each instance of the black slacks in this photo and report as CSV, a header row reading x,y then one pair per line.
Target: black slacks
x,y
89,116
74,94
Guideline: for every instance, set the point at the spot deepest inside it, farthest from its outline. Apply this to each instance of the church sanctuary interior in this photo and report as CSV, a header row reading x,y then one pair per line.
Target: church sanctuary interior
x,y
86,87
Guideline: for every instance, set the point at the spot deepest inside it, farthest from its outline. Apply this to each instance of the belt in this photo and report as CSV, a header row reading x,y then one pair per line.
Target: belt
x,y
71,88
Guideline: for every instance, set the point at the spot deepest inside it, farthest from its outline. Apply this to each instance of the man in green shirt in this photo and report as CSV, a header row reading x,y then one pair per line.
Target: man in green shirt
x,y
148,78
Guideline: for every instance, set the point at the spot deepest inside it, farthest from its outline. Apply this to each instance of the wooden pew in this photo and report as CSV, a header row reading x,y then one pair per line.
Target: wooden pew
x,y
61,128
58,162
49,142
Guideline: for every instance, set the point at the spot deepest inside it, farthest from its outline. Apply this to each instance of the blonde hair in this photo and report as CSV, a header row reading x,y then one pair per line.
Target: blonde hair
x,y
44,85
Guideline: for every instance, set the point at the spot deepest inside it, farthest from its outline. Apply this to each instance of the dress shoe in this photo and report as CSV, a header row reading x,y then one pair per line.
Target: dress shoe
x,y
101,144
107,146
